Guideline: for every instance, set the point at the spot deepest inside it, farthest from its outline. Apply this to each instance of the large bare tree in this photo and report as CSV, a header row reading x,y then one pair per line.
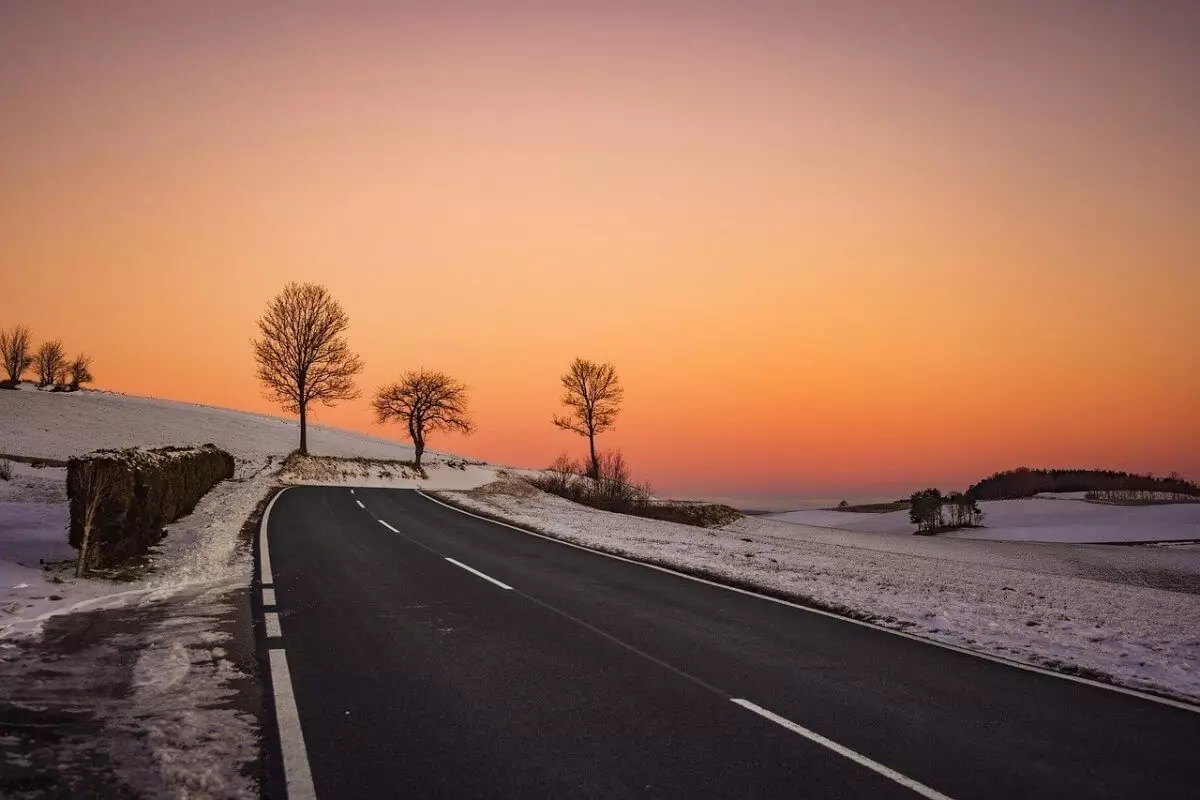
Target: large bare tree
x,y
592,393
424,401
302,353
16,350
51,362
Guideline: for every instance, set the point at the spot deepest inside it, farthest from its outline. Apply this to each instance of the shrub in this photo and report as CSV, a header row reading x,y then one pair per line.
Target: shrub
x,y
559,477
5,469
124,498
613,490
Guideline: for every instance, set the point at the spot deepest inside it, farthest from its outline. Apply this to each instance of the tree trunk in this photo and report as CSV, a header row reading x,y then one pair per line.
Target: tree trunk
x,y
418,449
303,430
595,470
81,564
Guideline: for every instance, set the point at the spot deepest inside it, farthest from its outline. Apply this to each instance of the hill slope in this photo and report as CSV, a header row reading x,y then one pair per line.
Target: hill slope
x,y
60,425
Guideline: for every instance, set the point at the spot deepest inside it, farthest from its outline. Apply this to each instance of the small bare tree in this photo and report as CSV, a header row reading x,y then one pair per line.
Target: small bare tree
x,y
424,401
51,362
593,394
81,371
16,350
302,354
94,486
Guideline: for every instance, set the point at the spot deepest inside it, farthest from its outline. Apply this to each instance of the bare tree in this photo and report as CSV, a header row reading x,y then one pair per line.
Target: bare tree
x,y
593,394
95,486
16,350
424,401
81,371
51,362
303,355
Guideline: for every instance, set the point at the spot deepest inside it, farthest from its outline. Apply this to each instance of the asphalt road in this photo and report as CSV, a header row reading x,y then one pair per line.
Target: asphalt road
x,y
534,669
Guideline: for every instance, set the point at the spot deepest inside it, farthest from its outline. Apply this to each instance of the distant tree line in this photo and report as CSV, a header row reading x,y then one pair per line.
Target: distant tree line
x,y
1108,484
49,362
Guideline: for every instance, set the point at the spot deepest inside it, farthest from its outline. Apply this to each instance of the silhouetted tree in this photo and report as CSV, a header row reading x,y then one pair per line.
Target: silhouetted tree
x,y
424,401
81,371
16,350
302,354
50,361
593,394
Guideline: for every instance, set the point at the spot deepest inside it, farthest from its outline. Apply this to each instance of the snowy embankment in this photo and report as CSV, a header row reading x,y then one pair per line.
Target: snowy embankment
x,y
972,594
1036,519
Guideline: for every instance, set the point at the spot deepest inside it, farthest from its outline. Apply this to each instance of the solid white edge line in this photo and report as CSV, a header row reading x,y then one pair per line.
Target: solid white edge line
x,y
477,572
389,527
360,505
264,554
268,598
1167,701
845,752
296,769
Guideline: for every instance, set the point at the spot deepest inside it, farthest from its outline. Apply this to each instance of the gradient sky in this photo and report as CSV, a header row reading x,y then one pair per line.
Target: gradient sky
x,y
831,247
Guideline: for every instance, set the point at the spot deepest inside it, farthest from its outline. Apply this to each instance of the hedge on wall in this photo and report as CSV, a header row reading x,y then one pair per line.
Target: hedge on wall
x,y
145,490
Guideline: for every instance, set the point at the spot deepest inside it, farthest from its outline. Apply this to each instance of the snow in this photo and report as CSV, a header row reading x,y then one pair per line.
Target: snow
x,y
172,731
1112,611
1041,519
60,425
440,473
33,530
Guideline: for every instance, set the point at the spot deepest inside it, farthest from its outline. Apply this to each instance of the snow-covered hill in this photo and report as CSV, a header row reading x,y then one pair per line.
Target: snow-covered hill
x,y
60,425
1036,519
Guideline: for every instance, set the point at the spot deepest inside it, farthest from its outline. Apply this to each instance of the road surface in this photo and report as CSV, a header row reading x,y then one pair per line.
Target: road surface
x,y
434,654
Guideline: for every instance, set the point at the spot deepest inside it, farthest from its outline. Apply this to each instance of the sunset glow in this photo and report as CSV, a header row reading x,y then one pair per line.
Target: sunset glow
x,y
829,247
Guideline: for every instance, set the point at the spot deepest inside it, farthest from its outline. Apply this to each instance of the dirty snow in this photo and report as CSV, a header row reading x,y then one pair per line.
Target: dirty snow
x,y
1040,519
1110,613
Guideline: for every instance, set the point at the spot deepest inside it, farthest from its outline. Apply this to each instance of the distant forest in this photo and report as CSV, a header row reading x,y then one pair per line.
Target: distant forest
x,y
1104,484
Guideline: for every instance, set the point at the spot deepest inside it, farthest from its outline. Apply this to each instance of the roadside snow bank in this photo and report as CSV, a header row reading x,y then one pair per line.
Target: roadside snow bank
x,y
437,473
1133,635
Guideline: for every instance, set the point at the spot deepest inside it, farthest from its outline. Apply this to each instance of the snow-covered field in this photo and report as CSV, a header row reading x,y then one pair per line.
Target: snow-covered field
x,y
1047,518
1105,612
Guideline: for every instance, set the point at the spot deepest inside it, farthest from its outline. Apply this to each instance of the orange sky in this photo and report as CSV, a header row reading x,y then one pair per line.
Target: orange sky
x,y
829,247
